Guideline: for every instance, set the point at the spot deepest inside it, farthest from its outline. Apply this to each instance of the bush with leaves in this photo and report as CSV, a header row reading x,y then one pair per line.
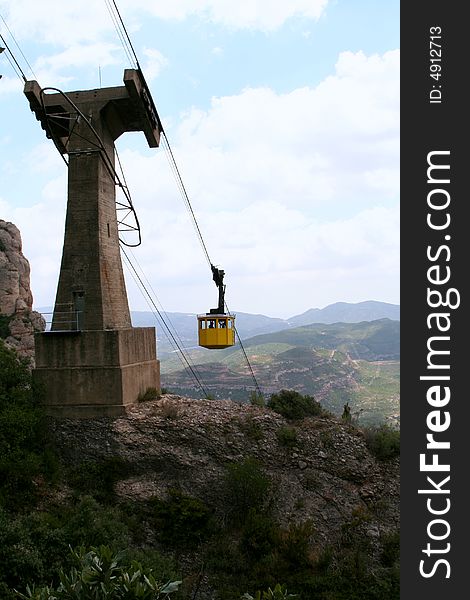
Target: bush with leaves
x,y
257,399
97,478
278,593
182,519
24,452
295,406
383,441
287,436
247,488
100,574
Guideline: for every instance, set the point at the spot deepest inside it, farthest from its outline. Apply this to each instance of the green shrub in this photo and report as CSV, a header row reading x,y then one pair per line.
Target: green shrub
x,y
100,574
257,399
294,406
278,593
182,520
20,558
24,450
252,429
151,393
287,436
89,523
383,442
247,487
295,545
98,478
390,549
4,324
34,546
260,534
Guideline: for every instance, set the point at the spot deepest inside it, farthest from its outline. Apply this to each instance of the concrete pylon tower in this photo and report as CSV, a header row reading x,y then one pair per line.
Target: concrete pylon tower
x,y
93,362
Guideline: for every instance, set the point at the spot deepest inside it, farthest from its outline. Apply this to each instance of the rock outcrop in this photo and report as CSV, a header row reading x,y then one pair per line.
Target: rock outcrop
x,y
328,475
18,321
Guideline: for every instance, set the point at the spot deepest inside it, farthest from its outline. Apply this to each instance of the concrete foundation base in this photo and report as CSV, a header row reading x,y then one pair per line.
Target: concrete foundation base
x,y
95,373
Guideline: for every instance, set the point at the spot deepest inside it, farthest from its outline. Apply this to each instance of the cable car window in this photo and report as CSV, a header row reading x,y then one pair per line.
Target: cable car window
x,y
203,324
221,323
229,321
212,324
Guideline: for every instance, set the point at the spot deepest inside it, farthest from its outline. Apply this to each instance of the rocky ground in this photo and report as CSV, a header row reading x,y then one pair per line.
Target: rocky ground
x,y
327,475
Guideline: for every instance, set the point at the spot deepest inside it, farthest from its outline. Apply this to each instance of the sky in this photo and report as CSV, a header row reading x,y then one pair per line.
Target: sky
x,y
283,116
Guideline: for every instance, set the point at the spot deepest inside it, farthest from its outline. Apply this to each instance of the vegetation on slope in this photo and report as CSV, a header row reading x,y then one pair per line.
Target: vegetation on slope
x,y
239,545
338,363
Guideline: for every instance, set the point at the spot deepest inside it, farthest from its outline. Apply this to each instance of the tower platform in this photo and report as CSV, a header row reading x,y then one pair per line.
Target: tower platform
x,y
95,373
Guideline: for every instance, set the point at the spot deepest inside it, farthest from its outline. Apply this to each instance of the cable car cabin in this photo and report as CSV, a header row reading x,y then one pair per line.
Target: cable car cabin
x,y
216,331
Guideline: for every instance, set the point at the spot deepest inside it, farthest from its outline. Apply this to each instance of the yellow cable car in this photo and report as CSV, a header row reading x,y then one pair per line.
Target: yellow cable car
x,y
216,329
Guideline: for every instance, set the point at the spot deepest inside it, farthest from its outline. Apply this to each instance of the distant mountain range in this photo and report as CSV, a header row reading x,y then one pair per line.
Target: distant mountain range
x,y
344,312
249,325
336,362
341,353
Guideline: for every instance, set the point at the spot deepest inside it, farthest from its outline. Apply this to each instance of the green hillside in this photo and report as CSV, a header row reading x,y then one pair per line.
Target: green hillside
x,y
338,363
368,340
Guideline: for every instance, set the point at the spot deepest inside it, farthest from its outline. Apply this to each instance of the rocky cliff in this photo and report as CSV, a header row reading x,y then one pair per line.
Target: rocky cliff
x,y
18,321
322,471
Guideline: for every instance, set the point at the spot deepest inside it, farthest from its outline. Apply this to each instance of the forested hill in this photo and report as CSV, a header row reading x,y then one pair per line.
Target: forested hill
x,y
338,363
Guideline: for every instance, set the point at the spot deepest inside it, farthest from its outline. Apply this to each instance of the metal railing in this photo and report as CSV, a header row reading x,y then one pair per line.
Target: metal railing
x,y
70,320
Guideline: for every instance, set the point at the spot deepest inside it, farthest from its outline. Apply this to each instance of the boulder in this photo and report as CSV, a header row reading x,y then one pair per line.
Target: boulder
x,y
18,321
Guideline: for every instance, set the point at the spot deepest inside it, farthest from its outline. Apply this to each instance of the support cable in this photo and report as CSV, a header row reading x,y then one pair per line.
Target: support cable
x,y
109,164
16,66
183,355
119,32
166,315
185,196
127,35
157,299
258,389
160,322
17,45
184,193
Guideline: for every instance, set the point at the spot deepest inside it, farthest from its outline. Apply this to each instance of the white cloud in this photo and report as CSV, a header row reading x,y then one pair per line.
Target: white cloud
x,y
295,193
270,184
72,23
10,84
155,62
79,36
59,23
77,55
41,226
264,15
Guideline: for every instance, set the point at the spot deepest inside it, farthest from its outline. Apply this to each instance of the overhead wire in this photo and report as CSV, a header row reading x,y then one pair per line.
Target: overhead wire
x,y
253,376
132,56
109,164
184,194
127,36
15,65
119,32
17,45
160,322
182,188
149,296
165,313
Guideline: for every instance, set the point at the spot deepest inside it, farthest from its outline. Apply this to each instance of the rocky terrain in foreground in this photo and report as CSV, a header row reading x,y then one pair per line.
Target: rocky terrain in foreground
x,y
326,474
